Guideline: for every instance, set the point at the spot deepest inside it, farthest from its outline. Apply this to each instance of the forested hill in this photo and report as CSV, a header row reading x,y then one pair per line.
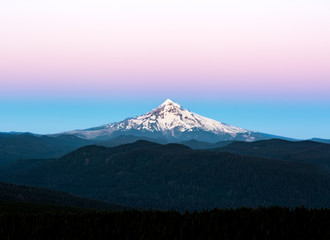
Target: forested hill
x,y
316,153
27,194
150,175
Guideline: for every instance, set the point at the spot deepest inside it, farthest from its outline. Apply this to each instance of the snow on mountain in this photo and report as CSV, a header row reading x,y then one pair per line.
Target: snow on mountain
x,y
172,122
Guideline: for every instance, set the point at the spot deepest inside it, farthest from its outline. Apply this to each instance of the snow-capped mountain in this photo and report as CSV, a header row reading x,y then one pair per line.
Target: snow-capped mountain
x,y
172,122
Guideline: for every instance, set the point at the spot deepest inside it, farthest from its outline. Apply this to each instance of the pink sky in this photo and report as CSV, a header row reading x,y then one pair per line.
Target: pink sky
x,y
260,47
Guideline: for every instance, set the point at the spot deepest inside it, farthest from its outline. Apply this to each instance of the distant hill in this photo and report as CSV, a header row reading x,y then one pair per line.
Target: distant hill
x,y
194,144
28,194
15,146
299,151
321,140
173,176
125,139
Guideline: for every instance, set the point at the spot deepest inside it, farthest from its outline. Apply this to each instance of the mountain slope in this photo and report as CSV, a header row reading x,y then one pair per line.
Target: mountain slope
x,y
15,146
299,151
321,140
27,194
194,144
174,123
173,176
126,139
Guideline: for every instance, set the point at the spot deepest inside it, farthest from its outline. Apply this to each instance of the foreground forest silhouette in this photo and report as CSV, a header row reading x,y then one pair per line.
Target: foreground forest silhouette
x,y
36,221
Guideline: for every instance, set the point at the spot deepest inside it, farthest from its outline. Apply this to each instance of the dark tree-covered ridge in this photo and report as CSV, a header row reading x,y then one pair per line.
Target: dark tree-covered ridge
x,y
173,176
28,194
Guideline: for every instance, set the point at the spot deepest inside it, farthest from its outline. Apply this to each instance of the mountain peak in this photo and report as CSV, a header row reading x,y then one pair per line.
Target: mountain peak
x,y
169,102
170,121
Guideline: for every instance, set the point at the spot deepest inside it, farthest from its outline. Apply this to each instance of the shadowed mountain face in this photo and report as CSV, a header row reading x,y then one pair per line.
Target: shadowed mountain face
x,y
173,176
301,151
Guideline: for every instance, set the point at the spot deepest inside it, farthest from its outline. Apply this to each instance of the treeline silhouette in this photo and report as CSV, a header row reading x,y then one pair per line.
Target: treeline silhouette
x,y
31,221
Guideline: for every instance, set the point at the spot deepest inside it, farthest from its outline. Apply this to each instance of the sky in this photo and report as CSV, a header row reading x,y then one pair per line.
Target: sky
x,y
72,64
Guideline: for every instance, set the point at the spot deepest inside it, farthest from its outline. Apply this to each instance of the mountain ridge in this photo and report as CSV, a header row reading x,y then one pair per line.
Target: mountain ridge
x,y
173,176
28,194
306,151
173,123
